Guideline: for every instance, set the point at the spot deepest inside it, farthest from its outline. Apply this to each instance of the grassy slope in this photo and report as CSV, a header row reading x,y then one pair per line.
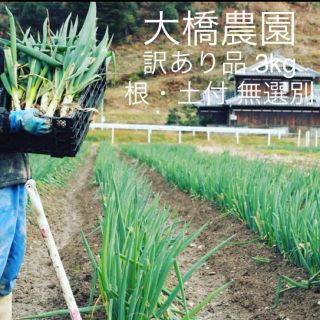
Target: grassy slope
x,y
130,61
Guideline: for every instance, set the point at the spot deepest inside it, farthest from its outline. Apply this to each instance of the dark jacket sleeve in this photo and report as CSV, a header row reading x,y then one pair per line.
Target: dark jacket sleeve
x,y
4,113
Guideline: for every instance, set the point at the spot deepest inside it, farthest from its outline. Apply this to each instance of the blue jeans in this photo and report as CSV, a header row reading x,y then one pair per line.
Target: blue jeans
x,y
12,235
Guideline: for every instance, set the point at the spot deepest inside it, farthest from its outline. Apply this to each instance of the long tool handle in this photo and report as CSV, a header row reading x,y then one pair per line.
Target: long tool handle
x,y
53,251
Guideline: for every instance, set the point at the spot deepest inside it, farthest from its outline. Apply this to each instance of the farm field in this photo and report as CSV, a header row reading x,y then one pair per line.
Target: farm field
x,y
278,203
173,209
77,203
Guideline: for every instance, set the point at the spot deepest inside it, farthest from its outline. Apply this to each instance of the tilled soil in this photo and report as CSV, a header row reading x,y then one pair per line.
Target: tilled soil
x,y
77,207
70,209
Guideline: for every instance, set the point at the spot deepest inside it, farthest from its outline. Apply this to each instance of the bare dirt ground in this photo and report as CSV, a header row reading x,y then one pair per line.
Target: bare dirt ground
x,y
77,207
251,154
253,291
69,209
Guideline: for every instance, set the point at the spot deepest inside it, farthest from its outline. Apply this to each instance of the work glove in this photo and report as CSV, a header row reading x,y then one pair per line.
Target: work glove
x,y
30,121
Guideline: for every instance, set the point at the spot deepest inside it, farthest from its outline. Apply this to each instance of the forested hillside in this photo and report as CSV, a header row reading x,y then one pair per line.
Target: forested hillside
x,y
126,21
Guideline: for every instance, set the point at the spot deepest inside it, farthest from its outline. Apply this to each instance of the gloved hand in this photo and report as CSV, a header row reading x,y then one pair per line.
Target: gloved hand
x,y
29,121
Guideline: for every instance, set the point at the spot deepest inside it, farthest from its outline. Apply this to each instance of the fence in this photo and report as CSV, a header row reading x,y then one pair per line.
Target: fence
x,y
306,141
237,131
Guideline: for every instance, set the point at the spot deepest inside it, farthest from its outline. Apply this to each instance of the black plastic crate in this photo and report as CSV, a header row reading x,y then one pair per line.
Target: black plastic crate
x,y
67,133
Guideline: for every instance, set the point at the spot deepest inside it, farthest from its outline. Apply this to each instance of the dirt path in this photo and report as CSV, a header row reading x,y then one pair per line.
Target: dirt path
x,y
306,160
69,209
255,283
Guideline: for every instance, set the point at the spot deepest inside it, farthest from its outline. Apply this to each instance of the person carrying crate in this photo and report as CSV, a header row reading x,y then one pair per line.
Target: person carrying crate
x,y
14,173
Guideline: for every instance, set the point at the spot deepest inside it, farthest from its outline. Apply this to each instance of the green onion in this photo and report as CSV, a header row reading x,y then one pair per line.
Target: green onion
x,y
51,72
10,80
280,203
140,247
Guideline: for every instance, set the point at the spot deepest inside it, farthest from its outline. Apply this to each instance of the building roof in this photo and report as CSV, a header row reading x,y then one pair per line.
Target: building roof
x,y
279,101
214,99
257,70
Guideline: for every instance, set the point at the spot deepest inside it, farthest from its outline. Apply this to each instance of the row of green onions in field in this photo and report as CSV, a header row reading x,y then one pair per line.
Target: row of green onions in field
x,y
140,247
50,172
49,72
281,203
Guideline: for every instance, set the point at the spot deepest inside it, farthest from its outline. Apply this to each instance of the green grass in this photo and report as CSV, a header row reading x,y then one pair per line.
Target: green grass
x,y
284,146
55,171
295,149
123,136
280,203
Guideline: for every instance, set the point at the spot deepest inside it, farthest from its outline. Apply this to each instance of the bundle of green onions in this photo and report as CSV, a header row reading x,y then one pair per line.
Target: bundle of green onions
x,y
50,72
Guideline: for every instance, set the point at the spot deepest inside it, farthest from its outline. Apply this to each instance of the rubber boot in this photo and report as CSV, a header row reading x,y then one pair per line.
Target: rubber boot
x,y
6,307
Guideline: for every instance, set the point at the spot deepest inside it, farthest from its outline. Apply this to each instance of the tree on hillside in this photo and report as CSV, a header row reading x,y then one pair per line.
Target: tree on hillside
x,y
183,7
189,116
173,117
185,116
221,6
169,13
32,14
121,17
